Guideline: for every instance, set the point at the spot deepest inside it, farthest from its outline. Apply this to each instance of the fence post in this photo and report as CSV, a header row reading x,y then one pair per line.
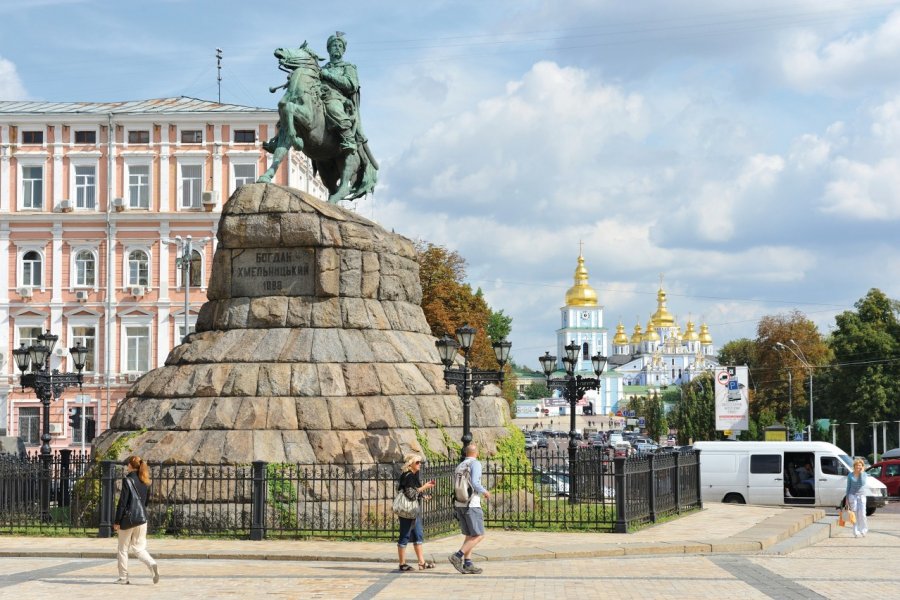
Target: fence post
x,y
697,477
107,493
65,460
621,525
652,488
258,501
677,482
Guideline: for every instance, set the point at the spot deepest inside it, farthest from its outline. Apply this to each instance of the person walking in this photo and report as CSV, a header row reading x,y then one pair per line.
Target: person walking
x,y
856,497
469,513
411,529
137,480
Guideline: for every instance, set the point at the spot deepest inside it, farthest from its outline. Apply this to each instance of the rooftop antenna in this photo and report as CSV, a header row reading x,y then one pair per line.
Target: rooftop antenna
x,y
219,68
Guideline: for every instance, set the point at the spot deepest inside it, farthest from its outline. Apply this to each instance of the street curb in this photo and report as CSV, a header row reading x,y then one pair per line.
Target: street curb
x,y
778,534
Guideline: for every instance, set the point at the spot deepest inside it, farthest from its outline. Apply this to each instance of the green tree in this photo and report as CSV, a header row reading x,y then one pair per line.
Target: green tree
x,y
499,326
536,391
694,415
655,421
863,384
738,352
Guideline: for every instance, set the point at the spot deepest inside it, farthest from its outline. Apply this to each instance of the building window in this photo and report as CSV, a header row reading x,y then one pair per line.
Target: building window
x,y
181,331
77,431
139,186
585,351
87,336
33,187
85,137
85,187
32,137
196,269
244,136
138,268
85,269
31,269
139,136
30,425
191,176
244,174
137,344
29,335
191,136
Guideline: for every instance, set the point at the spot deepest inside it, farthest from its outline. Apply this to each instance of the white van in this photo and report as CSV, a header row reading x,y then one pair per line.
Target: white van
x,y
772,473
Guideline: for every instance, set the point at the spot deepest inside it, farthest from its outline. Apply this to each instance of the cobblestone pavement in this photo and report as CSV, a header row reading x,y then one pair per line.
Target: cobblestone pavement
x,y
832,568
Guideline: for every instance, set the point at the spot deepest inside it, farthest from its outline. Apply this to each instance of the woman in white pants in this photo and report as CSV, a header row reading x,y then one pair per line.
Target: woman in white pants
x,y
137,472
856,497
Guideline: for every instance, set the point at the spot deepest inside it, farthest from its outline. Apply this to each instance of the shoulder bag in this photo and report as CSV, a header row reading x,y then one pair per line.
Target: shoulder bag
x,y
134,514
404,506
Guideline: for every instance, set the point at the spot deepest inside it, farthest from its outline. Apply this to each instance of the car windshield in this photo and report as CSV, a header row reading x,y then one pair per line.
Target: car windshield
x,y
846,460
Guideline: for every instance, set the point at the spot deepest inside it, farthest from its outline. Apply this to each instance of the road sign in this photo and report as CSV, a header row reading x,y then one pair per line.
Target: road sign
x,y
641,422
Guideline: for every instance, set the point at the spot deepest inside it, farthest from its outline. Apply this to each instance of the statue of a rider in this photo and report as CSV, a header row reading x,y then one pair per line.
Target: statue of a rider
x,y
341,94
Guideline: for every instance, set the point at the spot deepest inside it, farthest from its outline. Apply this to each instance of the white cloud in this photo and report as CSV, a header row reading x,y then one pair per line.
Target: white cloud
x,y
11,87
864,191
841,65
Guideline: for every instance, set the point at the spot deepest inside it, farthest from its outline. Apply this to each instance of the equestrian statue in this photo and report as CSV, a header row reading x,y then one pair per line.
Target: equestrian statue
x,y
319,116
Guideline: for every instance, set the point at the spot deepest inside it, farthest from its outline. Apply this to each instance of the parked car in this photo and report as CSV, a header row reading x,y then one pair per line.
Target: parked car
x,y
556,482
622,449
645,447
888,473
530,443
541,441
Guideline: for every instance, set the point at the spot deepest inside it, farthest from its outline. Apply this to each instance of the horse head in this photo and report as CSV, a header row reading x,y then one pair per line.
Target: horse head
x,y
290,59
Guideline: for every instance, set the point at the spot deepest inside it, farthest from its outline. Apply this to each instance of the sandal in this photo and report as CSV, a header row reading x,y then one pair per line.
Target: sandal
x,y
426,565
405,568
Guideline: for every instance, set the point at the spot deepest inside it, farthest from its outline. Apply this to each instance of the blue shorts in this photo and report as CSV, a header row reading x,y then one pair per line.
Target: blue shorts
x,y
471,520
411,530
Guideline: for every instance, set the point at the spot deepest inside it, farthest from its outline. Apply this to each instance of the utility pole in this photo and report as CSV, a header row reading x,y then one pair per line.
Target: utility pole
x,y
852,439
219,69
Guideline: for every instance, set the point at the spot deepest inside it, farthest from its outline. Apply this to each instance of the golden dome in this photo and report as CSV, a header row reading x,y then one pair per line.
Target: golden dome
x,y
621,338
662,317
705,338
691,335
651,335
638,334
581,294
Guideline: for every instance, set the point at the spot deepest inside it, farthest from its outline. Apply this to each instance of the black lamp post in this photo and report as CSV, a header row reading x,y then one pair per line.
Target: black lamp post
x,y
573,386
469,382
47,385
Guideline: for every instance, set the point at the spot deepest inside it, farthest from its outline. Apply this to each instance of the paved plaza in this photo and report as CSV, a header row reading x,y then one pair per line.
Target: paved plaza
x,y
704,555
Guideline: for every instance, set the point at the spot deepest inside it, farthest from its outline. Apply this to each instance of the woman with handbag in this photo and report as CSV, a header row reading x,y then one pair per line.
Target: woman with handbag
x,y
131,518
412,487
856,498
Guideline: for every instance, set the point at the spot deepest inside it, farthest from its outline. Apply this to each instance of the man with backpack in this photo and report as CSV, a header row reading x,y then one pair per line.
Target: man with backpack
x,y
468,491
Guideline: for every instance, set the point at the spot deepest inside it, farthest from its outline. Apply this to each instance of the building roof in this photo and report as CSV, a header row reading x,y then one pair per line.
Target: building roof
x,y
180,104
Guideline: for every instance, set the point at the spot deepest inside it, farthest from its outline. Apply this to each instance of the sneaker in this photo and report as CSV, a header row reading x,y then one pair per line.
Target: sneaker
x,y
457,562
155,570
471,569
122,581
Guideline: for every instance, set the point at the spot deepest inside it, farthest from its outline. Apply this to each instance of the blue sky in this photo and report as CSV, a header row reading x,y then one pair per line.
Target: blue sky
x,y
748,153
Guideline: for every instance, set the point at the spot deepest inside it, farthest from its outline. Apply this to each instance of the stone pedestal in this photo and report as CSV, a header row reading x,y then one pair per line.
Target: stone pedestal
x,y
312,348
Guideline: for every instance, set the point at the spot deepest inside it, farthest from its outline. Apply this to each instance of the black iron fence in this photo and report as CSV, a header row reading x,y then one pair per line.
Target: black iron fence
x,y
267,500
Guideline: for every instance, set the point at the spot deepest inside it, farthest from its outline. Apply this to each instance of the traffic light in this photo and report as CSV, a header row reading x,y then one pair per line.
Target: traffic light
x,y
75,418
90,429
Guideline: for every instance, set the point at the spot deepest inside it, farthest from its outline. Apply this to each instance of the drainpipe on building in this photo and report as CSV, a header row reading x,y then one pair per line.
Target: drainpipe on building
x,y
110,270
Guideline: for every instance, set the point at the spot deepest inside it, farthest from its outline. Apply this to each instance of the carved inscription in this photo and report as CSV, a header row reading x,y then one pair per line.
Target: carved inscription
x,y
273,272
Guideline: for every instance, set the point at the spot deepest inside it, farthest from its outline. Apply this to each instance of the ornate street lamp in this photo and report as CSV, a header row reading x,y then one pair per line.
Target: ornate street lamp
x,y
469,382
47,385
573,386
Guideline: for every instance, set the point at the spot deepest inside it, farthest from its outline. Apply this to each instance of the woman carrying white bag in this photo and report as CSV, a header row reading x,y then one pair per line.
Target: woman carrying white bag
x,y
411,490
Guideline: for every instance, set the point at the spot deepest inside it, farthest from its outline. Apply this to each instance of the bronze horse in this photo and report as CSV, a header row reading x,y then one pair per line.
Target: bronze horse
x,y
302,125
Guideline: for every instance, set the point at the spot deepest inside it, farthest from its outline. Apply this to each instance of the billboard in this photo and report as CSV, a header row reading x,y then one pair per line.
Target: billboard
x,y
732,398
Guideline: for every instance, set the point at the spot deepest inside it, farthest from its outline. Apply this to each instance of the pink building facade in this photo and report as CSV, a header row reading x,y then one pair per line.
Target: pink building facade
x,y
97,201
